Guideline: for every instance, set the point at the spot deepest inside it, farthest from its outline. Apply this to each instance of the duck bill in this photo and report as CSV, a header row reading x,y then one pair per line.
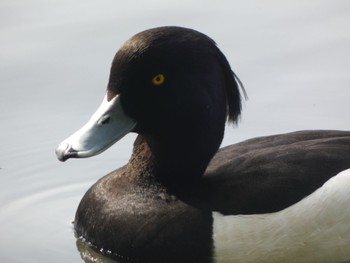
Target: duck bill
x,y
106,126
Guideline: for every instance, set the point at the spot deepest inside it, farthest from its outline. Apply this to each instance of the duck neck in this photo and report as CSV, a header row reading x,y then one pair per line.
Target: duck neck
x,y
172,162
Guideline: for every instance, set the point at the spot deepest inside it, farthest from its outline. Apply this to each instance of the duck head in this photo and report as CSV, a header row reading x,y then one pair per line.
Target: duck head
x,y
171,85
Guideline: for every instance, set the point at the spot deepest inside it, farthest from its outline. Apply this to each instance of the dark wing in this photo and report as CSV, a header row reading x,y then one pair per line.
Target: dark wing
x,y
267,174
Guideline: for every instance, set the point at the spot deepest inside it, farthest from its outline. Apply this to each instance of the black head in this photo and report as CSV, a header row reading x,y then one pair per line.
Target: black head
x,y
175,82
173,86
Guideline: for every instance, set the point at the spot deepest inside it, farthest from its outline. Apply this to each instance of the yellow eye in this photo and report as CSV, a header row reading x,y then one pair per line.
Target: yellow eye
x,y
158,79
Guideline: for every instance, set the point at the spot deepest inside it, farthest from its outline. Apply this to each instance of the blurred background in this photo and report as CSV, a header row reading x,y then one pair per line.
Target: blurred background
x,y
293,57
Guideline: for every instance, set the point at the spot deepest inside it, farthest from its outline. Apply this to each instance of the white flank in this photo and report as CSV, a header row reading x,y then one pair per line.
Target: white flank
x,y
315,230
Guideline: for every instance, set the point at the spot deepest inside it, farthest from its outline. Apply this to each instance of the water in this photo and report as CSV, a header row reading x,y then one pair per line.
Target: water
x,y
293,57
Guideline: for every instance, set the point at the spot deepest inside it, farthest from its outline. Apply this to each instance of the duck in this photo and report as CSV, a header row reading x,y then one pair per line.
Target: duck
x,y
182,198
